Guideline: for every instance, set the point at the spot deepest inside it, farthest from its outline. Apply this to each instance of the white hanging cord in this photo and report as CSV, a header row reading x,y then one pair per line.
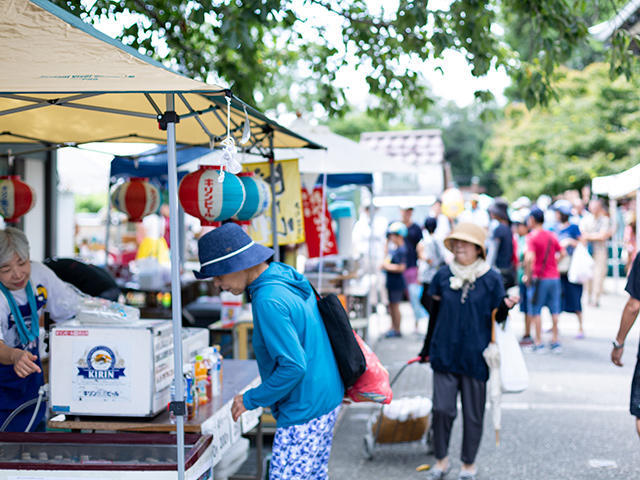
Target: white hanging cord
x,y
229,151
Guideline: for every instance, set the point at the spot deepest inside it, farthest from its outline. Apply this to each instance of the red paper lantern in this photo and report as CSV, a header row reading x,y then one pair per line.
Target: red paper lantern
x,y
16,198
203,196
137,198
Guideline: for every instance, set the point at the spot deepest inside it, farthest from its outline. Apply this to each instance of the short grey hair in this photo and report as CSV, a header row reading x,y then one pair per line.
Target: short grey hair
x,y
12,242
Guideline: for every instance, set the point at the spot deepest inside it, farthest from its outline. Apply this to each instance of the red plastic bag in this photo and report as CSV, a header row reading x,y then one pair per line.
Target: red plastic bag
x,y
373,384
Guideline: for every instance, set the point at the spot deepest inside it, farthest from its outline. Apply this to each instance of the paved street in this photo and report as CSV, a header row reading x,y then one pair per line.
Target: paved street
x,y
571,423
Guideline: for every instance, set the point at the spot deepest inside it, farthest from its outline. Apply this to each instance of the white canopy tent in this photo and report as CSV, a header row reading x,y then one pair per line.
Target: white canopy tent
x,y
64,83
620,185
617,185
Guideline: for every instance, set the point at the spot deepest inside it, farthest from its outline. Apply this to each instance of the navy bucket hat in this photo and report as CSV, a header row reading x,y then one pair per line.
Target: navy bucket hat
x,y
228,249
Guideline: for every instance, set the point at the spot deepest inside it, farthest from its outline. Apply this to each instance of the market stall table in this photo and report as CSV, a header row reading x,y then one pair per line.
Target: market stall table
x,y
40,456
212,418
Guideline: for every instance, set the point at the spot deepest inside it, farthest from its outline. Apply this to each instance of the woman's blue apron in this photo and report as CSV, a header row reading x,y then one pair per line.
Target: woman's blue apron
x,y
14,391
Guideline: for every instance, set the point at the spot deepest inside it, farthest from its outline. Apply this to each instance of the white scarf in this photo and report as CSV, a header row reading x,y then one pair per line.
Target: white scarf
x,y
466,273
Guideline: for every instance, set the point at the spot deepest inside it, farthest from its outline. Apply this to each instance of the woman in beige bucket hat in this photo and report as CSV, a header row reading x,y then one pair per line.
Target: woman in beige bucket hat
x,y
468,232
466,292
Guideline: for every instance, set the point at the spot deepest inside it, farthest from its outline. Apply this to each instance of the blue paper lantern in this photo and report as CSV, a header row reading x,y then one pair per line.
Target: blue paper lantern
x,y
257,197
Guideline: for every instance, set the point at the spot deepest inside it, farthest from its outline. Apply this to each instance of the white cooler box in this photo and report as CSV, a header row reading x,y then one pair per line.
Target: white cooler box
x,y
111,370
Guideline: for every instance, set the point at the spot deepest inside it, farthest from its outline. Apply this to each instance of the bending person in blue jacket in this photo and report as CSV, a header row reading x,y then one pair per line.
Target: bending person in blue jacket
x,y
300,379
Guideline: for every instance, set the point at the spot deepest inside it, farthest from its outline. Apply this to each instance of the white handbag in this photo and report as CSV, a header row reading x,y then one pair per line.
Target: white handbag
x,y
581,268
514,377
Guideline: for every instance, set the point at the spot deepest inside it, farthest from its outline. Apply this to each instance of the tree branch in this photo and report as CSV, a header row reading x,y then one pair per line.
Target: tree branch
x,y
351,18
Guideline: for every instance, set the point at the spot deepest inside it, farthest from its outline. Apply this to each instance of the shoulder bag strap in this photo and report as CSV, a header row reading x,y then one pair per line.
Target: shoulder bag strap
x,y
546,254
315,292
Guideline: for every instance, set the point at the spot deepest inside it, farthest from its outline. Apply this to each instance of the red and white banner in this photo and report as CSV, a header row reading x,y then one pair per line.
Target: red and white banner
x,y
315,224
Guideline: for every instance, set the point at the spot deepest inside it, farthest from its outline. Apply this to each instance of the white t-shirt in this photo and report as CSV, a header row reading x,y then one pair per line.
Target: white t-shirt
x,y
58,298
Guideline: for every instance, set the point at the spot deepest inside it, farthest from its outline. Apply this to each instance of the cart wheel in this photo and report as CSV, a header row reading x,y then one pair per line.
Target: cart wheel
x,y
368,446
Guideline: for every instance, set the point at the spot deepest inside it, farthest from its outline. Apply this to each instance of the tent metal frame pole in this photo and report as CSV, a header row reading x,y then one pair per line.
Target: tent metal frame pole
x,y
637,219
274,207
107,234
322,230
176,300
615,257
372,274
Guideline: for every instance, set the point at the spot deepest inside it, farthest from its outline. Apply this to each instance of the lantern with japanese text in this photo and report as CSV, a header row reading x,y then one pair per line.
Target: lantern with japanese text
x,y
137,198
202,195
16,198
257,197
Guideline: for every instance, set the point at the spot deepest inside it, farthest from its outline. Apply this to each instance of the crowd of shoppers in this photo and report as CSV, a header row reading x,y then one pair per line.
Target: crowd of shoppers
x,y
530,245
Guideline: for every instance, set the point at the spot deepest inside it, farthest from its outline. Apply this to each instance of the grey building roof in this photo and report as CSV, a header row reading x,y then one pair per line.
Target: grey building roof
x,y
418,147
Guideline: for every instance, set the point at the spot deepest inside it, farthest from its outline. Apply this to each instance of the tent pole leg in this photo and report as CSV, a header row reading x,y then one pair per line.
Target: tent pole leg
x,y
108,228
176,301
371,273
637,219
615,258
323,230
274,207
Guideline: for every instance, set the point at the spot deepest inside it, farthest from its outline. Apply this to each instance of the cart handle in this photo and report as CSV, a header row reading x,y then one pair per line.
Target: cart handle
x,y
413,360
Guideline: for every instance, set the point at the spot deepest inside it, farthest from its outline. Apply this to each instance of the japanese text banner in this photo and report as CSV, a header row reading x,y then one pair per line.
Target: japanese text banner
x,y
290,223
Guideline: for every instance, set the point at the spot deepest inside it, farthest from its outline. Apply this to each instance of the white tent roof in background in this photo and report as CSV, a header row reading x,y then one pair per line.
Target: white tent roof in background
x,y
618,185
342,155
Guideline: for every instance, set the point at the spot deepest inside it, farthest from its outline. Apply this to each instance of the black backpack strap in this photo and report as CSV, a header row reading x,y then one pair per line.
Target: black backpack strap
x,y
318,297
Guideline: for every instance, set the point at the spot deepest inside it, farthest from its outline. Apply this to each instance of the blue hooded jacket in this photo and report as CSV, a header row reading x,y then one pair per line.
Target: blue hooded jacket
x,y
300,378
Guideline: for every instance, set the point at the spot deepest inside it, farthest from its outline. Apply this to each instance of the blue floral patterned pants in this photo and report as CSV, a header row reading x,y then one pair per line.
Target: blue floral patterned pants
x,y
301,452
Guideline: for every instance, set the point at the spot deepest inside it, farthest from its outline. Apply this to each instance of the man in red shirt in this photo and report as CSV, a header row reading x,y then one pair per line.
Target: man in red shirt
x,y
542,277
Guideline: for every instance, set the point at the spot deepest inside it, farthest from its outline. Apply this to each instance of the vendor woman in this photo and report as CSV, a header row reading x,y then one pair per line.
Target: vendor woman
x,y
28,288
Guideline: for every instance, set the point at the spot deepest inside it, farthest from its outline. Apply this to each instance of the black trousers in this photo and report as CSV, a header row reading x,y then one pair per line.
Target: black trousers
x,y
445,393
425,299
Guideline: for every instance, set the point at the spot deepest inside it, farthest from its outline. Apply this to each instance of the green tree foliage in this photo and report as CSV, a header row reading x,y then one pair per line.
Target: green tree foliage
x,y
521,34
593,129
258,47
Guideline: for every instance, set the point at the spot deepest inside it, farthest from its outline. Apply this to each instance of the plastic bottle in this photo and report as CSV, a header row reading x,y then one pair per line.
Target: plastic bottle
x,y
200,375
209,364
189,397
218,370
166,300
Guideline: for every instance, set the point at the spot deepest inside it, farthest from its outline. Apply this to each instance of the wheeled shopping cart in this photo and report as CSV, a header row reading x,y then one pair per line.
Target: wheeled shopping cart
x,y
406,419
